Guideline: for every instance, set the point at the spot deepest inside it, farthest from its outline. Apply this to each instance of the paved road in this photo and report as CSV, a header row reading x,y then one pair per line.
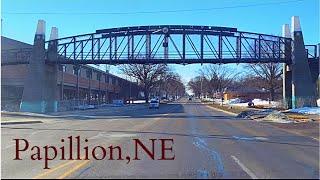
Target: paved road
x,y
206,144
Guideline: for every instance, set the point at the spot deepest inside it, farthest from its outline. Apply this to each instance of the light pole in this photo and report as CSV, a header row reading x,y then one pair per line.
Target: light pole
x,y
201,87
130,84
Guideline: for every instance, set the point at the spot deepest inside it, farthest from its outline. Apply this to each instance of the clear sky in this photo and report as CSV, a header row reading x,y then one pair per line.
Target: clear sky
x,y
72,17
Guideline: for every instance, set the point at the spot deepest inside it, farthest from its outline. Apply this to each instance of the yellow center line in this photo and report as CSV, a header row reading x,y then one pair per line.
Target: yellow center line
x,y
69,172
217,109
81,164
53,169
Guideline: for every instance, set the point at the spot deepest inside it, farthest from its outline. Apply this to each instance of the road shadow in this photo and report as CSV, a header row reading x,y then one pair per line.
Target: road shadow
x,y
140,111
210,136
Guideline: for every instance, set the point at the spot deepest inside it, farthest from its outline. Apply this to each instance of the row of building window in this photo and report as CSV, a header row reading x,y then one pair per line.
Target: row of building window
x,y
89,73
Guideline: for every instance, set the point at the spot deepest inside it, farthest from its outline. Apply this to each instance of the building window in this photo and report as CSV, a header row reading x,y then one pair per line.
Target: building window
x,y
106,78
63,68
76,70
89,73
110,80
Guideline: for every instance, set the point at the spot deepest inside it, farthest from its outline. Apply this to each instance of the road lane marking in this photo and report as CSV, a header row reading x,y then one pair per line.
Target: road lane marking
x,y
71,171
250,138
144,124
202,145
227,112
9,146
244,168
53,169
113,135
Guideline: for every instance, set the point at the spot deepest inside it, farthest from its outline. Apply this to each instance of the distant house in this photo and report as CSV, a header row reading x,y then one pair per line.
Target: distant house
x,y
246,94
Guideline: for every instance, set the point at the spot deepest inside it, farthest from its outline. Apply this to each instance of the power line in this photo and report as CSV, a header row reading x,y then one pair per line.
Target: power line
x,y
152,12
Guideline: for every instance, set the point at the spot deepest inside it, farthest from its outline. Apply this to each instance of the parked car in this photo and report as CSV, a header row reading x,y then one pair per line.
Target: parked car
x,y
154,104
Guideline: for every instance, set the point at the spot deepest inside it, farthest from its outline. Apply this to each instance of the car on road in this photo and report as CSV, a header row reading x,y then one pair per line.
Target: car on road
x,y
154,103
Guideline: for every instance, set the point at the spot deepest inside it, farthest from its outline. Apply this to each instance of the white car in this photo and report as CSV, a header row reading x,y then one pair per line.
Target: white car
x,y
154,104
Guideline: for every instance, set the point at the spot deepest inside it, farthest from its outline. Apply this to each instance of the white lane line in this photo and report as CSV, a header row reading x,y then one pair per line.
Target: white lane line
x,y
250,138
244,168
112,135
9,146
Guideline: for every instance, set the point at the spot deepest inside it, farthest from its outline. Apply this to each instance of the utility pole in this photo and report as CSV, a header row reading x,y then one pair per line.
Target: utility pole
x,y
201,87
130,84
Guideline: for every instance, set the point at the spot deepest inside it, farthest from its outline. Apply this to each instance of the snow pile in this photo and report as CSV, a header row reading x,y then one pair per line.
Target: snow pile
x,y
257,102
234,101
277,117
208,99
318,102
307,110
265,115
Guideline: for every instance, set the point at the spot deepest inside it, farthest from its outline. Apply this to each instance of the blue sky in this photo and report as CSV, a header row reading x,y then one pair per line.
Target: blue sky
x,y
20,17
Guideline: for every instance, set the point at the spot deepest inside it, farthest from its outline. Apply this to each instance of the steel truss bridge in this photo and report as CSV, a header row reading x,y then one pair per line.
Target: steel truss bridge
x,y
166,44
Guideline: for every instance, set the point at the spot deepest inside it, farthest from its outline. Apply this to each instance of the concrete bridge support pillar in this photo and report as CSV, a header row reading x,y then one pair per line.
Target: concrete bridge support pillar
x,y
52,73
287,69
303,89
39,94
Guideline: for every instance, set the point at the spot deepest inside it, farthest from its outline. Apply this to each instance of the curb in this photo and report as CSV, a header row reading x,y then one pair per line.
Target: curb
x,y
20,122
227,112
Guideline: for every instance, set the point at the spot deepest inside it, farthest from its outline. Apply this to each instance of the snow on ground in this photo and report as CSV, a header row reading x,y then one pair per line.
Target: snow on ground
x,y
208,99
307,110
257,102
139,101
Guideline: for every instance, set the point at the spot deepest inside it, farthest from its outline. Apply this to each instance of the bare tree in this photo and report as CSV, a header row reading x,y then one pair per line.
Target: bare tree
x,y
269,74
219,77
195,85
172,84
148,76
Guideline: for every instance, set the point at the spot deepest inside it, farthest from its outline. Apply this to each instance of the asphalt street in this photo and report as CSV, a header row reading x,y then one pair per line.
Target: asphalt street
x,y
205,144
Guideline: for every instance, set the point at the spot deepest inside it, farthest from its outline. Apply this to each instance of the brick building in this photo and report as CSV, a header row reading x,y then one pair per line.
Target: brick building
x,y
90,86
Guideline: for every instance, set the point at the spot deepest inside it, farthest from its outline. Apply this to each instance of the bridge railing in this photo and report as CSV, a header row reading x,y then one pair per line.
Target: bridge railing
x,y
311,51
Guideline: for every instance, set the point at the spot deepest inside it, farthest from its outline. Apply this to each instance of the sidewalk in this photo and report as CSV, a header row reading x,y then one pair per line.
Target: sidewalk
x,y
11,118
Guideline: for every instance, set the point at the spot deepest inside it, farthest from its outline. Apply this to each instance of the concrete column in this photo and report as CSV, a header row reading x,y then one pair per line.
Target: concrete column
x,y
62,83
32,98
287,73
52,73
90,76
303,90
99,93
40,87
77,69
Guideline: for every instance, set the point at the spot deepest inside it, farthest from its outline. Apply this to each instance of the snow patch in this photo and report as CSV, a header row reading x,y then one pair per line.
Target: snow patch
x,y
306,110
257,102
